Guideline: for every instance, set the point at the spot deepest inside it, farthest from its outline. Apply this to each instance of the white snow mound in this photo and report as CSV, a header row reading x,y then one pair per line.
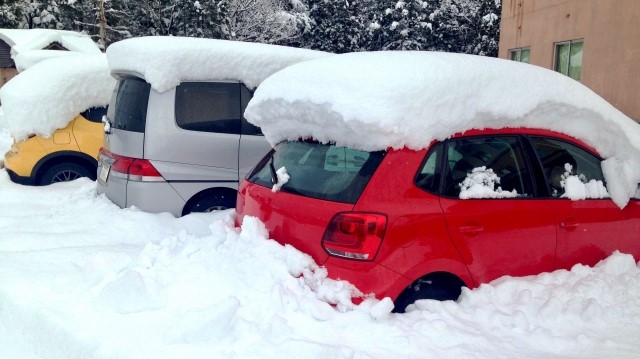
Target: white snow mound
x,y
53,92
164,61
27,59
379,100
22,40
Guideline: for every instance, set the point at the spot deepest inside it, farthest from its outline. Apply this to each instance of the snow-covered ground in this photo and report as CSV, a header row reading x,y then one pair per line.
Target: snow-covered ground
x,y
82,278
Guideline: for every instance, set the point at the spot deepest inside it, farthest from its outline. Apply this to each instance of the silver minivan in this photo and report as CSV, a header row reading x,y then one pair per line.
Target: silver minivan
x,y
180,151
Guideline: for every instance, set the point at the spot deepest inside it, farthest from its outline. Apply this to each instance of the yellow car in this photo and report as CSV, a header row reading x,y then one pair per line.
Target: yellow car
x,y
69,153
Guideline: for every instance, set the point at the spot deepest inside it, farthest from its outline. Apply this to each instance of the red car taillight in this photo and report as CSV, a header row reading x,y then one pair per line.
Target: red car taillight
x,y
136,169
355,235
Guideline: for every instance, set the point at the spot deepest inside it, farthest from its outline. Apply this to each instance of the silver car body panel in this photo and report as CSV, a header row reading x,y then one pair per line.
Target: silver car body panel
x,y
252,149
189,161
115,188
175,172
125,143
154,197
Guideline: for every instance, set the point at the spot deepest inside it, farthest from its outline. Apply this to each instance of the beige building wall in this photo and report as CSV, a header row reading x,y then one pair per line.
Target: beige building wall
x,y
611,33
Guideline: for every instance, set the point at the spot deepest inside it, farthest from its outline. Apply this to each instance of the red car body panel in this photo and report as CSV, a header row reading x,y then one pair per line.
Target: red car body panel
x,y
476,240
590,230
416,241
290,219
502,236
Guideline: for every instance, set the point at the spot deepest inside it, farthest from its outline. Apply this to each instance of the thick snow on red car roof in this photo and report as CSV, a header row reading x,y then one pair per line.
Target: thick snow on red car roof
x,y
378,100
165,61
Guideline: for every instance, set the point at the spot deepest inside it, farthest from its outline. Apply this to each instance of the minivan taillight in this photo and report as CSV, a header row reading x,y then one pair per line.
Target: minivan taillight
x,y
355,235
135,169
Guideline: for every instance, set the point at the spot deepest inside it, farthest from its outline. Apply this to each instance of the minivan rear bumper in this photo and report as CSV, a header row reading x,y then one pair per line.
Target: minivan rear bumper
x,y
154,197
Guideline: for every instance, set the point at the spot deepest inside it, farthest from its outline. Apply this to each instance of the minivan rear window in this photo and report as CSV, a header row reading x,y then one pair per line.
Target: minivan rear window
x,y
128,107
319,171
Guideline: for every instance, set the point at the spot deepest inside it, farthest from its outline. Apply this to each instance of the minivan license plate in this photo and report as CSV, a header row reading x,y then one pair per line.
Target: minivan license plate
x,y
104,173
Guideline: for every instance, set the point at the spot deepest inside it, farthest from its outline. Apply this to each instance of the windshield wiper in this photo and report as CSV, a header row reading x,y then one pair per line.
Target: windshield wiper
x,y
274,175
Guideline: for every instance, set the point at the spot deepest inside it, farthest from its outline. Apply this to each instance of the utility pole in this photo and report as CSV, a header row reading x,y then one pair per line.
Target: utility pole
x,y
103,25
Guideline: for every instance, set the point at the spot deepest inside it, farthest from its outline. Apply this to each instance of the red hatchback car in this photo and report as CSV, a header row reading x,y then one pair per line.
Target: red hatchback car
x,y
433,171
393,222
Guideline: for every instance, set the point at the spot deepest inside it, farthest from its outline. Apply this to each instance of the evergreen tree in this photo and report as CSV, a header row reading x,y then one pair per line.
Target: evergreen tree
x,y
487,24
79,15
402,25
10,14
265,21
201,19
177,17
40,14
337,25
463,26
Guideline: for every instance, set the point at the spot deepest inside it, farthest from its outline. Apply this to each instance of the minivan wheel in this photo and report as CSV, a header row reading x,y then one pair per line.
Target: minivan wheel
x,y
64,172
212,202
429,288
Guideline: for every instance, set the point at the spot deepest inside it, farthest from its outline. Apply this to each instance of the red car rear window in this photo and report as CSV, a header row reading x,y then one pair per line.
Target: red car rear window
x,y
320,171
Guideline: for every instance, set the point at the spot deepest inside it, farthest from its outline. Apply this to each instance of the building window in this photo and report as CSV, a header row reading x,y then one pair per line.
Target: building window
x,y
568,58
520,55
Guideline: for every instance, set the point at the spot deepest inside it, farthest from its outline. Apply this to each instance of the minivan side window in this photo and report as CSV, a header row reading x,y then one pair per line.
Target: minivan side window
x,y
128,109
486,167
247,127
560,159
208,107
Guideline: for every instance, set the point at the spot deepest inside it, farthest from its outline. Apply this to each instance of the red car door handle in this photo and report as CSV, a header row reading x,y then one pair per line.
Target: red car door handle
x,y
569,224
471,228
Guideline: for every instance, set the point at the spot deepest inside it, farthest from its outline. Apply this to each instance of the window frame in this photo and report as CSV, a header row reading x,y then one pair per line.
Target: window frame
x,y
246,127
537,177
542,184
518,51
237,86
437,149
349,194
115,111
441,166
556,47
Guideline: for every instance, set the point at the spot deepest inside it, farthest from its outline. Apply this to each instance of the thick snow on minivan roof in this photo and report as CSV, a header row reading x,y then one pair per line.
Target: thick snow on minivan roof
x,y
380,100
164,62
53,92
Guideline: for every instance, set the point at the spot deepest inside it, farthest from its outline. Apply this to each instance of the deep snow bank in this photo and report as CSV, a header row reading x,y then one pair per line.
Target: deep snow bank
x,y
82,278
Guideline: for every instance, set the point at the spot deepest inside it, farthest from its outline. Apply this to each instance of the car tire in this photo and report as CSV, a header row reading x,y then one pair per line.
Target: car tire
x,y
213,201
428,288
64,172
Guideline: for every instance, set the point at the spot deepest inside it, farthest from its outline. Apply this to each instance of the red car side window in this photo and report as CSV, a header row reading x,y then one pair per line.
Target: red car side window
x,y
495,167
